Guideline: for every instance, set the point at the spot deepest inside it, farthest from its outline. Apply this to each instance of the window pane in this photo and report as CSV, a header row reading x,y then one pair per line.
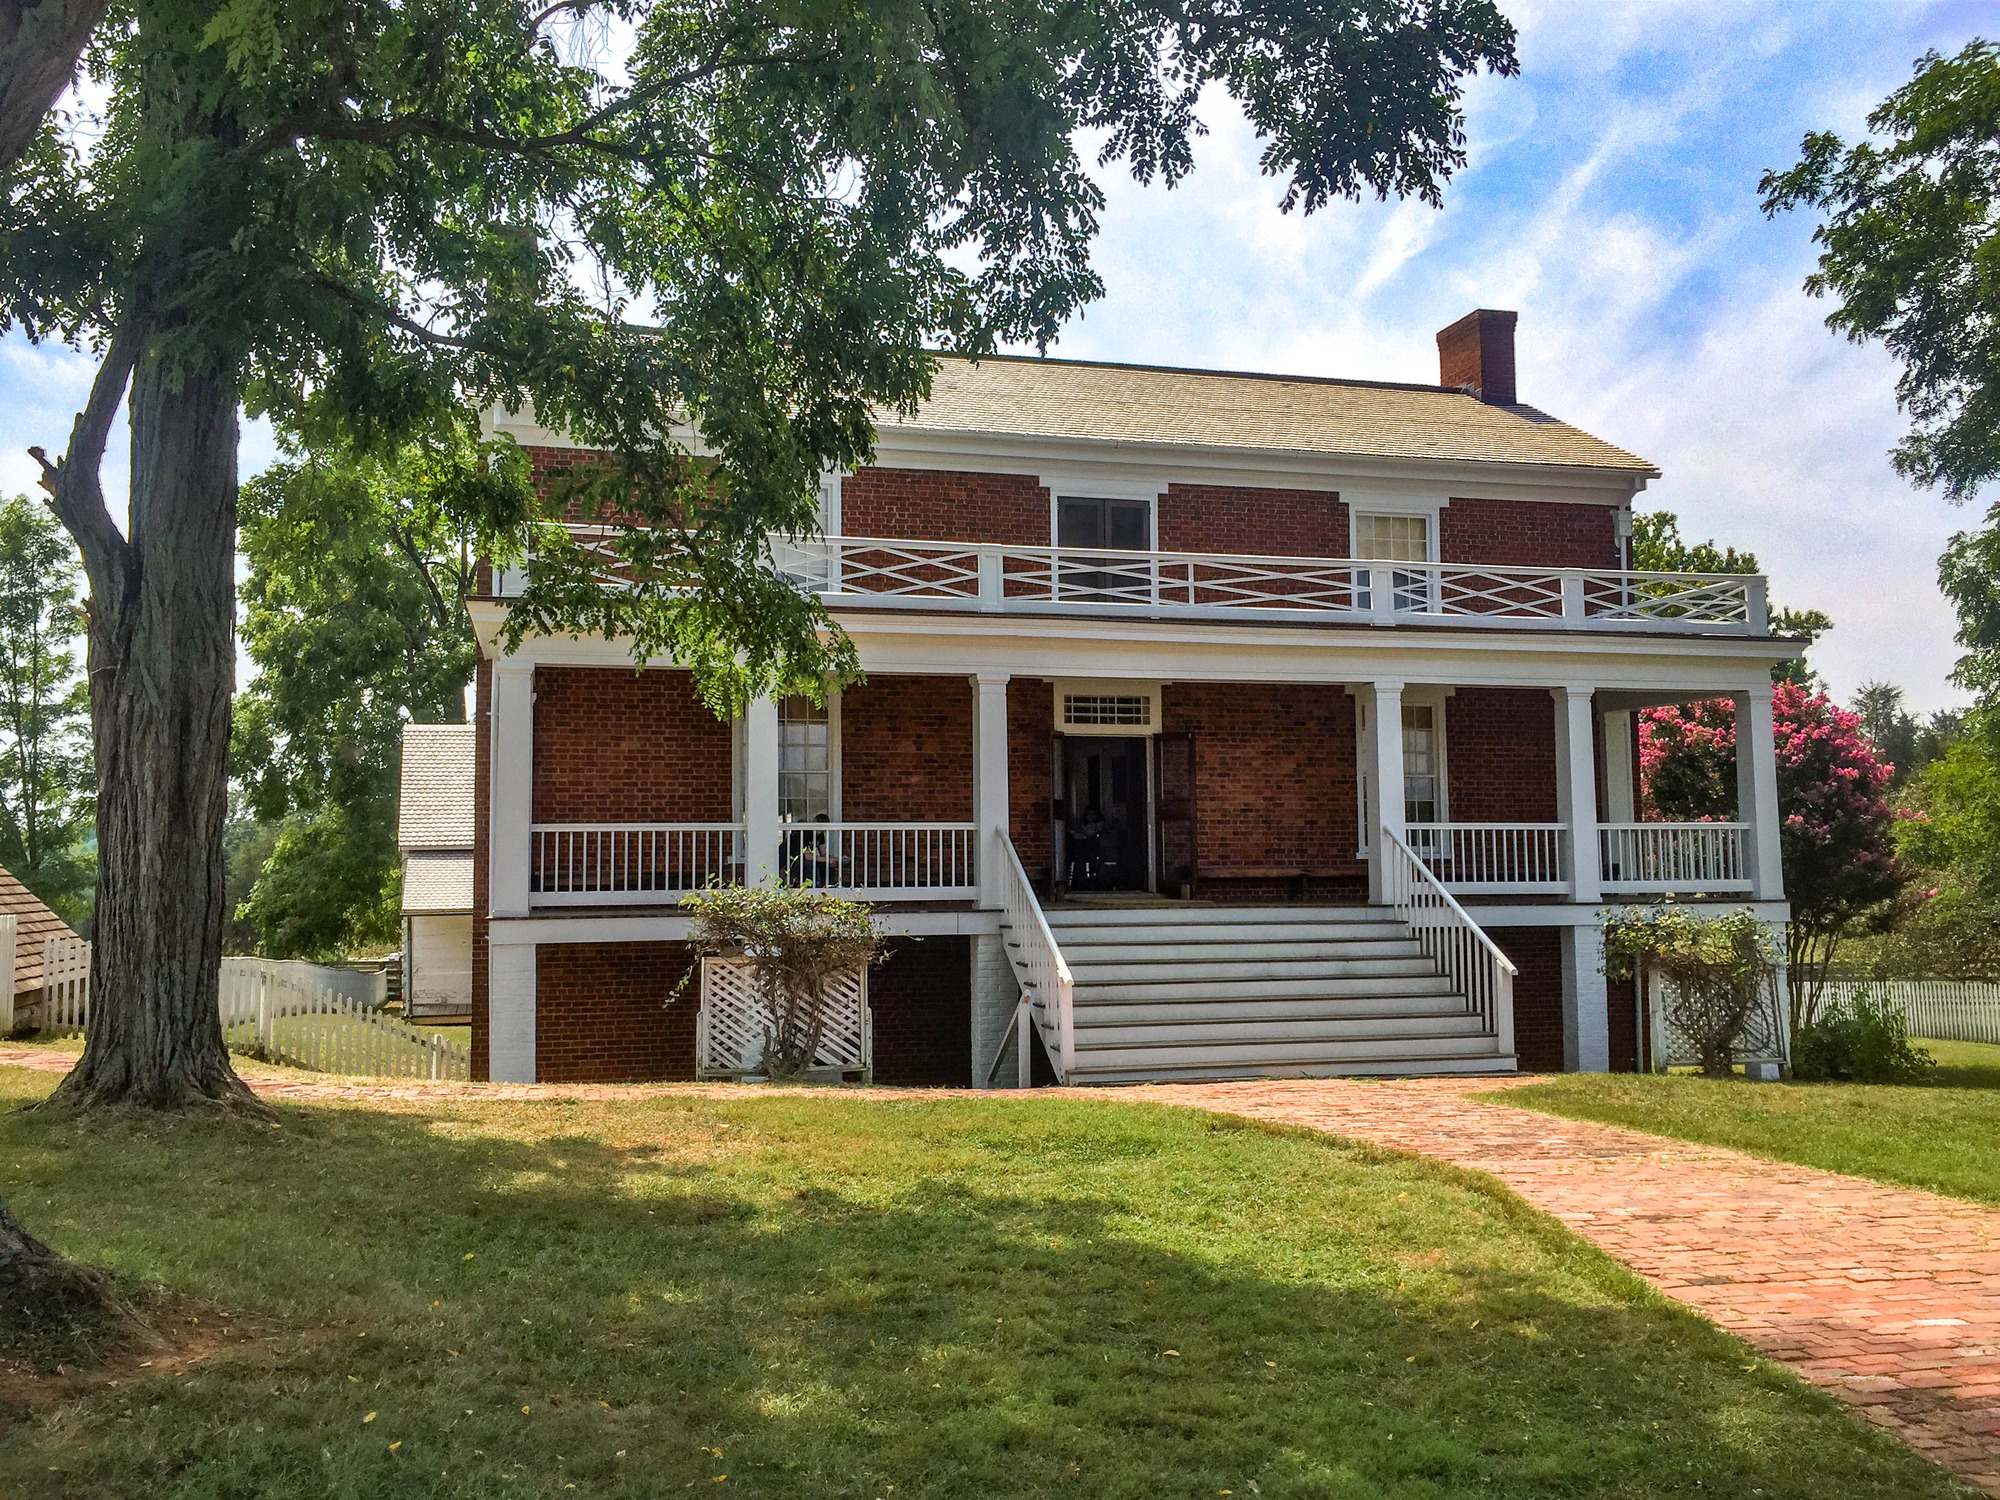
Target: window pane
x,y
1079,523
805,777
1392,538
1420,764
1129,525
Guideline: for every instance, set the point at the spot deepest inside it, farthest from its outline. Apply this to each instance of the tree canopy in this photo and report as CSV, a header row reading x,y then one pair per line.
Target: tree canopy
x,y
714,255
1657,547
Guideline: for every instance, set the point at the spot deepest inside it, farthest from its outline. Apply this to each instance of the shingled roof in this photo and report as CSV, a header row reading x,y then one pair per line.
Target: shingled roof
x,y
434,799
32,923
1064,398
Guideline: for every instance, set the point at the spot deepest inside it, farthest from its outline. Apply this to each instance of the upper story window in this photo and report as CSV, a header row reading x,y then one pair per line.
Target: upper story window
x,y
1392,538
1087,521
805,761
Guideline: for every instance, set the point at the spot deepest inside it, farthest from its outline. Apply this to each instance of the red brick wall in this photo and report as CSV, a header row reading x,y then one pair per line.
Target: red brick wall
x,y
1528,533
1280,523
1500,755
617,746
906,750
600,1015
1274,783
1031,716
1623,1006
922,1000
1538,994
482,718
945,505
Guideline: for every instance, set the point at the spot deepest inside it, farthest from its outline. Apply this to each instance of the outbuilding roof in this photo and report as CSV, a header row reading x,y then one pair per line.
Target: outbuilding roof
x,y
1066,398
437,881
33,922
434,799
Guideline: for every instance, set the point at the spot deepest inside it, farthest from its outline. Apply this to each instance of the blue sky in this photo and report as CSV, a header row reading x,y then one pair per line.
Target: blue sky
x,y
1611,199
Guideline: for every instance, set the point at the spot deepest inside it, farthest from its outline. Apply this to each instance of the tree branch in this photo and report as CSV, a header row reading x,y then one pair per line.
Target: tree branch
x,y
76,483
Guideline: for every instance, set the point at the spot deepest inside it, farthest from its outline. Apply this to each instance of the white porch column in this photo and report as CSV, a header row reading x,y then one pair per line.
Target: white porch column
x,y
1618,804
1757,793
1586,1001
1382,705
513,788
1576,789
760,792
510,1010
989,780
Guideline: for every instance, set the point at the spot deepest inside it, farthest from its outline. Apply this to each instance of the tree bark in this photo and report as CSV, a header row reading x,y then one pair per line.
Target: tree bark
x,y
162,668
40,42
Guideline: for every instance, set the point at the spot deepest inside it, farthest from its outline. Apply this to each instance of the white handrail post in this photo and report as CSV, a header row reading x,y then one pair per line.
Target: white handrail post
x,y
1572,600
1382,596
1024,1049
992,578
1757,604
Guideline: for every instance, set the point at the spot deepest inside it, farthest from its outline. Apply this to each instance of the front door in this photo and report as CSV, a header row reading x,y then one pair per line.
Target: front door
x,y
1104,825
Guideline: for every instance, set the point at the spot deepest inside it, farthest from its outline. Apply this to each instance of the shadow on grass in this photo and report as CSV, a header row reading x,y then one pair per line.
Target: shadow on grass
x,y
816,1297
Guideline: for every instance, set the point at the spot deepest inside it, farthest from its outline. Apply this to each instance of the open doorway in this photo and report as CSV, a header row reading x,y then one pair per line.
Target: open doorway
x,y
1105,814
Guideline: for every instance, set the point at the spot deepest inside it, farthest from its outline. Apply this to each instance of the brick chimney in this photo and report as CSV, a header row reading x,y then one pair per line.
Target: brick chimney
x,y
1477,353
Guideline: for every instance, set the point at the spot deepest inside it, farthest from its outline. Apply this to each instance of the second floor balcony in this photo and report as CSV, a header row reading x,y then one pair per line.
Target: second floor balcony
x,y
998,578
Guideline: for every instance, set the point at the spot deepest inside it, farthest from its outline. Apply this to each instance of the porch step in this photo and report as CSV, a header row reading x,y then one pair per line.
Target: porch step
x,y
1213,992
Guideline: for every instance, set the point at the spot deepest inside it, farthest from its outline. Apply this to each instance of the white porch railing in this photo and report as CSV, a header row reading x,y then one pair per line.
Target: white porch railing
x,y
605,864
883,861
889,572
881,571
1048,993
1659,857
1477,968
1520,858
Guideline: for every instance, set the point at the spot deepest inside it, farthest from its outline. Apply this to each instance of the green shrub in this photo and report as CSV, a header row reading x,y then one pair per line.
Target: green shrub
x,y
1865,1042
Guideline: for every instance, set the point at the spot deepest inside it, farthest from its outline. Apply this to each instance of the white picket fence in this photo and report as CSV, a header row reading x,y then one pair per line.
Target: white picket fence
x,y
281,1011
1949,1010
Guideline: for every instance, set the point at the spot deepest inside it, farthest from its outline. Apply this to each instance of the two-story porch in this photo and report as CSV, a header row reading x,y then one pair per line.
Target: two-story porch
x,y
1146,832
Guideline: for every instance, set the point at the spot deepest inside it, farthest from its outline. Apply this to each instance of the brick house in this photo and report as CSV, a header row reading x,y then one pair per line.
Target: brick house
x,y
1142,648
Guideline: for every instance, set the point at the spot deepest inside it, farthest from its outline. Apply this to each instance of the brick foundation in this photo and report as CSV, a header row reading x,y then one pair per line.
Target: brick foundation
x,y
601,1017
1622,1003
1538,994
617,746
906,750
922,1004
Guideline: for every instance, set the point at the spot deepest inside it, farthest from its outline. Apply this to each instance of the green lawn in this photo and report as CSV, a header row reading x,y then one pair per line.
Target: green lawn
x,y
827,1297
1943,1136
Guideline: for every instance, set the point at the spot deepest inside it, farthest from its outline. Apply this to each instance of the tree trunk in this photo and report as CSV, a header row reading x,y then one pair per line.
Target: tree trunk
x,y
162,668
40,42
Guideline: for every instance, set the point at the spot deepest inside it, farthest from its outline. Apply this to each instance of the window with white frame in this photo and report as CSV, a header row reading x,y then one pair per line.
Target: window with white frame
x,y
1390,538
1422,778
805,761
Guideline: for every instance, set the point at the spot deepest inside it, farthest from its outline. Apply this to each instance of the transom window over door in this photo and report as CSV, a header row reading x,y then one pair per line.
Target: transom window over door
x,y
805,762
1421,778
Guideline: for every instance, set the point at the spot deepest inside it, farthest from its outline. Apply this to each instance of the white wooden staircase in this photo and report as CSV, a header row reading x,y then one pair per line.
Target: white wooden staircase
x,y
1189,992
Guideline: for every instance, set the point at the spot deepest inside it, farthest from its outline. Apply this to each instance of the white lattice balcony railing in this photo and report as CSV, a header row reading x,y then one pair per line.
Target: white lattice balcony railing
x,y
1517,858
1659,857
883,861
612,864
890,573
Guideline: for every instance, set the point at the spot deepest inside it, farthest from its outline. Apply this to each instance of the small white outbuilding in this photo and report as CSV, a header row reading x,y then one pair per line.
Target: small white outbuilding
x,y
434,834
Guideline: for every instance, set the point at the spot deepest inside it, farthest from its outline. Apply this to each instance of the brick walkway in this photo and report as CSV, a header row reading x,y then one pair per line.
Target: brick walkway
x,y
1888,1297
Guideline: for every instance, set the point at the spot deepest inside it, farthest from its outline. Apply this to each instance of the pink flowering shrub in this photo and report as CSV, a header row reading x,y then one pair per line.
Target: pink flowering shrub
x,y
1838,830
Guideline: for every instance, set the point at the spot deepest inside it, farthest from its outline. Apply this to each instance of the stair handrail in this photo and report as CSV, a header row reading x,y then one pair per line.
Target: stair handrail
x,y
1054,1000
1459,946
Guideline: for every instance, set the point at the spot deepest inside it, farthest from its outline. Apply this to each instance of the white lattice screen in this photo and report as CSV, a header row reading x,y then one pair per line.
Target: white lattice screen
x,y
730,1033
